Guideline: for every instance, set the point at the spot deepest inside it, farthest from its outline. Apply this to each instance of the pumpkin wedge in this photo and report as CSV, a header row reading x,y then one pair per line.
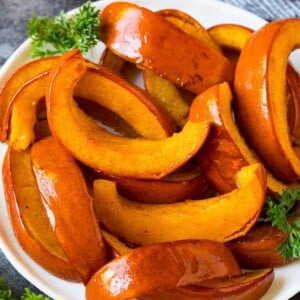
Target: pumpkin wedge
x,y
167,51
16,81
102,150
188,182
293,106
225,151
112,61
116,246
141,223
24,110
69,206
232,36
248,286
156,267
176,102
98,85
128,101
258,249
190,25
260,88
29,218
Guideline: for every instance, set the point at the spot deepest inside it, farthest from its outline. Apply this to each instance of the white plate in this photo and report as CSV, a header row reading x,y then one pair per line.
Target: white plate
x,y
208,12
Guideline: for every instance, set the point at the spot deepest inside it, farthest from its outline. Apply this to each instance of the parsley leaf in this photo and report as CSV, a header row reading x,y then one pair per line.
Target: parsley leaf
x,y
6,293
278,211
29,295
57,35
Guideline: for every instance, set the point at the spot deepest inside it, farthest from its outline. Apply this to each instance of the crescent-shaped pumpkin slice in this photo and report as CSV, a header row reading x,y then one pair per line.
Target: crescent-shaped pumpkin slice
x,y
225,151
98,85
260,88
69,206
14,83
167,50
189,182
141,223
29,218
156,267
248,286
102,150
176,101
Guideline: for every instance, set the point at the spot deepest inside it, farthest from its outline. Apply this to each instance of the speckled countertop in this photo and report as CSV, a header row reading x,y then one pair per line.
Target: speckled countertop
x,y
13,17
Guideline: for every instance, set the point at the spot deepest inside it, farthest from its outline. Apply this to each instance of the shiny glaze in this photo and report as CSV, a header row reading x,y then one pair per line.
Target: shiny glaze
x,y
248,286
146,223
14,83
259,247
220,157
260,88
28,217
147,39
131,103
25,106
120,156
293,109
69,206
187,183
148,269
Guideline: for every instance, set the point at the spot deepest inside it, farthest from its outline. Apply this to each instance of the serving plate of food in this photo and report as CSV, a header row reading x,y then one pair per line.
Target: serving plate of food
x,y
208,13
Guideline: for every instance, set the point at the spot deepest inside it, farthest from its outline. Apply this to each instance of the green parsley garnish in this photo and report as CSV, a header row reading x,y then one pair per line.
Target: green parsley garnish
x,y
6,293
29,295
57,35
278,210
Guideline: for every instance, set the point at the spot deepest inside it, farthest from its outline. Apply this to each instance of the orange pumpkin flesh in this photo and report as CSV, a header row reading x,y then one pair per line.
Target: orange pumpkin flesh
x,y
57,173
225,150
176,102
120,156
191,26
24,110
259,247
141,223
260,88
149,269
128,101
293,82
28,216
186,183
168,51
231,36
17,79
98,85
248,286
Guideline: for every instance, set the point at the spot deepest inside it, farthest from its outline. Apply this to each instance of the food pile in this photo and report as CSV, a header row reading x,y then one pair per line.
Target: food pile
x,y
157,192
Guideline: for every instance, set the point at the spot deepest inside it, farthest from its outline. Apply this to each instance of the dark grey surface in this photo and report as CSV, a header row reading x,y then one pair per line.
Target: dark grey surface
x,y
13,17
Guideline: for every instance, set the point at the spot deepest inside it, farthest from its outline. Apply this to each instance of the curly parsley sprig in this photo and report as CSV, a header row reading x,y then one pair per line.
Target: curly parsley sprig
x,y
7,294
52,36
278,211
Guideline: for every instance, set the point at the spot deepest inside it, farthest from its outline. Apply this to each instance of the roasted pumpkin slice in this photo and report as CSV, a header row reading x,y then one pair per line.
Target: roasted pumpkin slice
x,y
167,222
225,151
102,150
157,267
69,206
29,218
14,83
260,88
167,51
